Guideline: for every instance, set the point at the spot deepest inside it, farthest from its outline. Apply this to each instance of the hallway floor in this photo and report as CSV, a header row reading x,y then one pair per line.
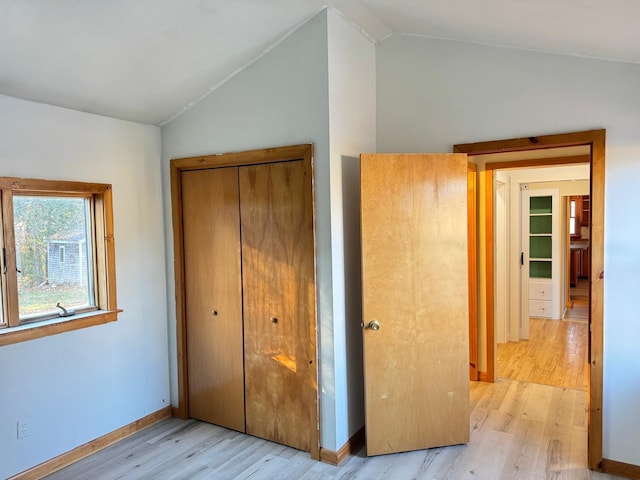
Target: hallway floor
x,y
555,354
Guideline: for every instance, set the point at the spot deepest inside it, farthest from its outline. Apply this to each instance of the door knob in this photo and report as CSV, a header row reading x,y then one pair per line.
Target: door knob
x,y
373,325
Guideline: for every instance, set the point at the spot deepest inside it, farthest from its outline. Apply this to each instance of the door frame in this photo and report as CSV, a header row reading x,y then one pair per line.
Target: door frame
x,y
251,157
472,241
596,140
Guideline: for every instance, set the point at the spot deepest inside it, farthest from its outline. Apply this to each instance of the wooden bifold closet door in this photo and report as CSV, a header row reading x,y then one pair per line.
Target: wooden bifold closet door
x,y
278,285
213,287
250,299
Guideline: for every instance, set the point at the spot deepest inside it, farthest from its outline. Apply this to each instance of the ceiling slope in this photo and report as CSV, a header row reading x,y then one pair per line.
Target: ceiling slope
x,y
589,28
141,60
149,60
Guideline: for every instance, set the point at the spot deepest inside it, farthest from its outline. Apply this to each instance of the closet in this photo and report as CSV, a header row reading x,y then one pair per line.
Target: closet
x,y
246,296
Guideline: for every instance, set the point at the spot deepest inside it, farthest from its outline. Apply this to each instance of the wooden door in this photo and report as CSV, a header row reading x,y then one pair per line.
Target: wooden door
x,y
279,303
415,288
211,226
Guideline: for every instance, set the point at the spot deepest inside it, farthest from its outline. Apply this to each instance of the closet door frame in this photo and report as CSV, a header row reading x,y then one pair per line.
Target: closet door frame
x,y
251,157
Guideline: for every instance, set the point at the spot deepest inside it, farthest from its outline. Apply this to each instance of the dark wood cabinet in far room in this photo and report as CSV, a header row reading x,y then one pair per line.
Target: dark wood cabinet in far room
x,y
574,270
579,264
584,263
585,208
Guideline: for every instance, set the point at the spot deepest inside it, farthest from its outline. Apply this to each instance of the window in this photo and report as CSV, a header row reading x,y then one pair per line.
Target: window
x,y
58,264
572,217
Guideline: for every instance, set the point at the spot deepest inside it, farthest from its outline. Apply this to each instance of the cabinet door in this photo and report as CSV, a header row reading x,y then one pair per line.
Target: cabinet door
x,y
585,210
574,272
279,302
211,226
584,263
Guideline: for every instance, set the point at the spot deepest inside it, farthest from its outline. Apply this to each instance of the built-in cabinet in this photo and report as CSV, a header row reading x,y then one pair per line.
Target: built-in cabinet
x,y
585,210
574,266
541,251
249,299
579,264
584,263
540,299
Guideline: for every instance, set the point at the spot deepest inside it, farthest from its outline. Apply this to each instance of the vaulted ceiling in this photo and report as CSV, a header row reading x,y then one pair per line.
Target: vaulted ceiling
x,y
148,60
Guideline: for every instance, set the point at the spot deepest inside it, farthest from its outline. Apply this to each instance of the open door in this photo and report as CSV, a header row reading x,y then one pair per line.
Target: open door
x,y
415,301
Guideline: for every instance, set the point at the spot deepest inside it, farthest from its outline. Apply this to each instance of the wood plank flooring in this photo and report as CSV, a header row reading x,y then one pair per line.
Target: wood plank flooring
x,y
555,354
578,305
518,431
579,310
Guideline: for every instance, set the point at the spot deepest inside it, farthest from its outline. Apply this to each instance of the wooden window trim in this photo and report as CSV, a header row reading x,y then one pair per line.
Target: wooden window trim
x,y
104,259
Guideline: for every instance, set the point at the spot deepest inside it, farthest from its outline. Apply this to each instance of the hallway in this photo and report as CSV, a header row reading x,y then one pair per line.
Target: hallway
x,y
555,354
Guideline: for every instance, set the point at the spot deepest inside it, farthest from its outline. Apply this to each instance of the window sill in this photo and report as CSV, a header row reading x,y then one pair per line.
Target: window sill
x,y
55,326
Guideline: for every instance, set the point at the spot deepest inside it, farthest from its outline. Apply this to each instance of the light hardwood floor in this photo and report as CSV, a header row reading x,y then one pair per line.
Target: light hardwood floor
x,y
578,305
579,310
518,431
555,354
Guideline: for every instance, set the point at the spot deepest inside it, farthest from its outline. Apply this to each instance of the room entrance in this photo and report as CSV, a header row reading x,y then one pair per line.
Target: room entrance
x,y
595,140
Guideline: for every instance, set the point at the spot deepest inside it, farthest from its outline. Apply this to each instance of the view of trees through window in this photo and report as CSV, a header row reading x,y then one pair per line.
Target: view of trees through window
x,y
53,253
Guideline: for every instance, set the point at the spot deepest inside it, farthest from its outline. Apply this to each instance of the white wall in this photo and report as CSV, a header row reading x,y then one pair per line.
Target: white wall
x,y
77,386
503,330
567,188
317,86
352,130
281,99
432,94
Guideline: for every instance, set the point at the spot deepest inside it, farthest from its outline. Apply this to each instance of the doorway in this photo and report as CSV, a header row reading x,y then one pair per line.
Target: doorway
x,y
595,139
577,210
537,342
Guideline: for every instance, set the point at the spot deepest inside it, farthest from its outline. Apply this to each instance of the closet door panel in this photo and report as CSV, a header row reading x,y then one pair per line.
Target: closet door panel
x,y
211,225
279,301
